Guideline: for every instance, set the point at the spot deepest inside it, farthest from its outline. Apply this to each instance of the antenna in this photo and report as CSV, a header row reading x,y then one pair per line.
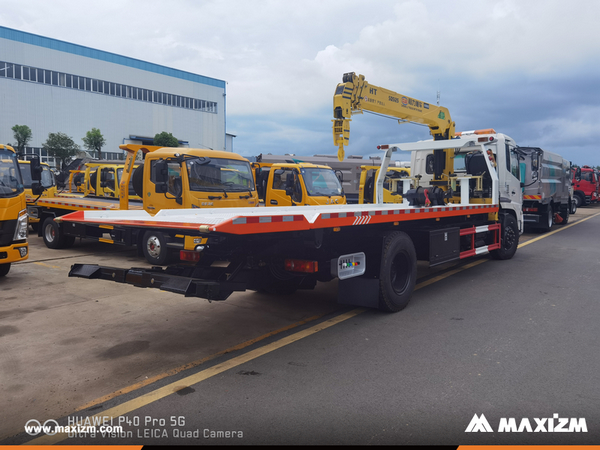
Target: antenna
x,y
438,93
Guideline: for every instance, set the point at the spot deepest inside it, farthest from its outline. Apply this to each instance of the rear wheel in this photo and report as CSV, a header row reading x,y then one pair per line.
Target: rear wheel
x,y
574,205
547,220
52,234
565,214
398,273
155,247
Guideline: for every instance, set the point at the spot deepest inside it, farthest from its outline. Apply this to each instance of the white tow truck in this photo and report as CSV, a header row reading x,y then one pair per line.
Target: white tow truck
x,y
470,206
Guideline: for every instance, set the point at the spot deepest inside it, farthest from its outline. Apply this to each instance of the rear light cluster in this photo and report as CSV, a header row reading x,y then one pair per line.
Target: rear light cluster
x,y
299,265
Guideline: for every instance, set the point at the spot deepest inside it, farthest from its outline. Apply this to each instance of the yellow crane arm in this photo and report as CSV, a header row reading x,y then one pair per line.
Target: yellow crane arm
x,y
355,95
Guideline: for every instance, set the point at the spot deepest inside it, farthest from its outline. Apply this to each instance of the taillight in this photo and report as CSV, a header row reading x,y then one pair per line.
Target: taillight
x,y
188,255
299,265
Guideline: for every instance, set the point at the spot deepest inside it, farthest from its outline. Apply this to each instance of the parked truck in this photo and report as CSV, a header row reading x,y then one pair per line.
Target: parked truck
x,y
349,170
586,184
546,179
297,184
13,210
472,206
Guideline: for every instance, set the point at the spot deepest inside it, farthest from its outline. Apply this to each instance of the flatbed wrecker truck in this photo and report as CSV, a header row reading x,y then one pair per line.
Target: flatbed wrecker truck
x,y
472,207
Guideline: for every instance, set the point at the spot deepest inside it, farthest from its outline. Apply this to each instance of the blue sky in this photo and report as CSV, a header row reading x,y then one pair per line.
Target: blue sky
x,y
528,68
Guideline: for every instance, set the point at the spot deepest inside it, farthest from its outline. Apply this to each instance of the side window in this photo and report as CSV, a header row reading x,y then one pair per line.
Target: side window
x,y
175,185
284,179
512,162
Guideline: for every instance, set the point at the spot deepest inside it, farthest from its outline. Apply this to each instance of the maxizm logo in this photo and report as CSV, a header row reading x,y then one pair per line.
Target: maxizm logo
x,y
554,424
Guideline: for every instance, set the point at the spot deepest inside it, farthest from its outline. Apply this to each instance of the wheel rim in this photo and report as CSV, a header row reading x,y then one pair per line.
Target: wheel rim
x,y
399,275
550,218
153,247
509,237
50,233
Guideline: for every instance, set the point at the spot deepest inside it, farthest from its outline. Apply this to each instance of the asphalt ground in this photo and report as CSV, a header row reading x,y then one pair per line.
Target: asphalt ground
x,y
507,339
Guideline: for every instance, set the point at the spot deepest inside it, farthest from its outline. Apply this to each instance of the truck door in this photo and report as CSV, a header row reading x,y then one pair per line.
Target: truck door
x,y
284,188
172,199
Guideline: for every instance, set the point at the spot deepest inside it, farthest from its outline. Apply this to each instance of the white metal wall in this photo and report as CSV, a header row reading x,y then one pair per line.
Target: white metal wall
x,y
46,108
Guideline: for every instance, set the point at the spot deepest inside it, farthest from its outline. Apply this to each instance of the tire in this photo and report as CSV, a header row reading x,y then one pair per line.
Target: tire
x,y
52,234
573,206
398,272
578,201
137,180
4,269
547,220
154,245
509,239
565,214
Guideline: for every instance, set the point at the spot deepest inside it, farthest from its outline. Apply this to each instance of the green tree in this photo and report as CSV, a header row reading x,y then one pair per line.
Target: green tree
x,y
165,139
22,135
94,141
61,147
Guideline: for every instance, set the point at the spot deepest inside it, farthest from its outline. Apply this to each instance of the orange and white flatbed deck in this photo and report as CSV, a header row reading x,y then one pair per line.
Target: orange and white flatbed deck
x,y
79,203
241,221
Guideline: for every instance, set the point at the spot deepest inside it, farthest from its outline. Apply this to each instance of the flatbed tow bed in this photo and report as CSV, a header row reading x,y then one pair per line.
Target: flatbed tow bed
x,y
372,249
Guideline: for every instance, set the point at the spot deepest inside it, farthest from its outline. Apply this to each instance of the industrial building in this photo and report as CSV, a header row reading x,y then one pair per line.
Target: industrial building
x,y
55,86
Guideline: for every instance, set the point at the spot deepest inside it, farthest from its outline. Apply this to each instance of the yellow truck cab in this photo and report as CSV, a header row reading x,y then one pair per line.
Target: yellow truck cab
x,y
175,178
13,211
48,183
392,185
298,184
98,179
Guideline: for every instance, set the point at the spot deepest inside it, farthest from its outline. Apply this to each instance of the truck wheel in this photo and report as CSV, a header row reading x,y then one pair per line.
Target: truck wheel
x,y
547,220
398,273
509,239
564,214
4,268
155,247
52,234
574,205
578,201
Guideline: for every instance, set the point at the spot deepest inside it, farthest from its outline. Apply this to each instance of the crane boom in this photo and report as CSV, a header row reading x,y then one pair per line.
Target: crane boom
x,y
355,95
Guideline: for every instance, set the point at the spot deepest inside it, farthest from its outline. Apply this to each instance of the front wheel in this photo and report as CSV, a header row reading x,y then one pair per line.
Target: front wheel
x,y
398,273
4,269
155,247
509,239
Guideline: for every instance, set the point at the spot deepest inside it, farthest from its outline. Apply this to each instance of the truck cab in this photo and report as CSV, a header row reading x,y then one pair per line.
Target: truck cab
x,y
393,184
175,178
13,211
585,186
298,184
48,183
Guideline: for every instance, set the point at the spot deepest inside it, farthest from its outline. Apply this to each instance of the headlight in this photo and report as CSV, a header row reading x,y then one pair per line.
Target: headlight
x,y
21,229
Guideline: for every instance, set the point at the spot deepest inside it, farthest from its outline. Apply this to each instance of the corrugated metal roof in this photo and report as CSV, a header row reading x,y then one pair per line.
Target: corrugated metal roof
x,y
54,44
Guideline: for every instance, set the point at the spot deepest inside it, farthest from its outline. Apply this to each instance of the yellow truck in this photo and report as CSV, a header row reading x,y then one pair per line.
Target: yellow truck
x,y
397,181
99,179
13,211
297,184
168,178
48,184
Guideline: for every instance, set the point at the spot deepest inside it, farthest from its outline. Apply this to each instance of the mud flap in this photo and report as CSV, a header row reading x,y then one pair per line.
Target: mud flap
x,y
359,291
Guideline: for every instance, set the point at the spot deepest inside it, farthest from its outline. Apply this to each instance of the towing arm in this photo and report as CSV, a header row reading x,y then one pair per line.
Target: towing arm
x,y
355,95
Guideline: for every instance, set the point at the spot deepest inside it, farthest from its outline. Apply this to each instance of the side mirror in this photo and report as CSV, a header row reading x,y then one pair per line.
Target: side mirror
x,y
340,175
578,174
36,176
289,191
160,176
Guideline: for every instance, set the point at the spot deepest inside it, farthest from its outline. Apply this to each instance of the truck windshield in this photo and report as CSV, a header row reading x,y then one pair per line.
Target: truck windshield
x,y
321,182
11,183
220,174
47,176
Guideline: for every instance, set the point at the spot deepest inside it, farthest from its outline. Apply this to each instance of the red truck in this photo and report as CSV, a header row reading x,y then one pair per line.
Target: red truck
x,y
586,184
